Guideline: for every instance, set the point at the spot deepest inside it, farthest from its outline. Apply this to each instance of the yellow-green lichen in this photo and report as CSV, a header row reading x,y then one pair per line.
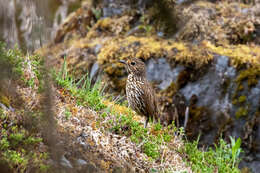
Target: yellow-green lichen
x,y
238,54
250,77
250,74
234,101
240,87
148,47
4,100
107,26
242,99
241,112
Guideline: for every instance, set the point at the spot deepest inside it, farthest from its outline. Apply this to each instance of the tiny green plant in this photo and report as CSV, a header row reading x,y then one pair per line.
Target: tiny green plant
x,y
16,138
235,149
149,142
151,148
16,144
16,158
223,157
82,90
11,58
97,12
147,28
67,114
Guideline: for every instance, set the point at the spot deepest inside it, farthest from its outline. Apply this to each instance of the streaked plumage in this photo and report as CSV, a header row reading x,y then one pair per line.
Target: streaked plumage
x,y
140,94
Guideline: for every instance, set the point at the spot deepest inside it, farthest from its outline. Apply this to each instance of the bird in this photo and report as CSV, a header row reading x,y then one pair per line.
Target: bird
x,y
140,94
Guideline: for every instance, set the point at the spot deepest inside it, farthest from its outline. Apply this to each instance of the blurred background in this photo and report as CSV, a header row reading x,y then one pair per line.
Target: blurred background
x,y
32,23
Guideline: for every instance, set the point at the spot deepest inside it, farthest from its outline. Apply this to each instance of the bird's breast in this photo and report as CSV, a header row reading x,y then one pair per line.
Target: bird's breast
x,y
134,85
135,93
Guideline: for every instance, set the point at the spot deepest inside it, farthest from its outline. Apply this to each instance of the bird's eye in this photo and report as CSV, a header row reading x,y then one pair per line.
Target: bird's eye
x,y
132,63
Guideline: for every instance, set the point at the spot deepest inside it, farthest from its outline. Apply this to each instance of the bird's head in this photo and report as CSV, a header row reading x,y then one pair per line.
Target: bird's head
x,y
135,66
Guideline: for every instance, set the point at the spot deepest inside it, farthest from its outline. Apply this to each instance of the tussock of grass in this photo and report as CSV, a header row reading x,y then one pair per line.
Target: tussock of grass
x,y
82,89
11,58
150,139
223,158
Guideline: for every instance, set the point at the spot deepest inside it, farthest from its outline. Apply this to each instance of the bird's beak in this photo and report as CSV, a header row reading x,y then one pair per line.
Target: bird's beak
x,y
122,61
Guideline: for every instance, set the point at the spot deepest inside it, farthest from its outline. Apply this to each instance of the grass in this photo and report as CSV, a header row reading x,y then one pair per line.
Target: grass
x,y
11,59
82,90
150,139
222,158
16,65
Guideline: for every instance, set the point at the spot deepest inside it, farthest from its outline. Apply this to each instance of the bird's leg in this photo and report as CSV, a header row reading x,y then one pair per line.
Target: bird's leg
x,y
146,122
155,120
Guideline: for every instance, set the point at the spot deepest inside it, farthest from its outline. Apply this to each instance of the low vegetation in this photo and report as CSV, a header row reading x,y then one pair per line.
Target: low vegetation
x,y
82,90
224,157
19,147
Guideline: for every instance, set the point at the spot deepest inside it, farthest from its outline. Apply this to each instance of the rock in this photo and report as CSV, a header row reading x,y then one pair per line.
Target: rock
x,y
255,166
81,162
160,72
94,71
97,48
115,7
65,162
109,11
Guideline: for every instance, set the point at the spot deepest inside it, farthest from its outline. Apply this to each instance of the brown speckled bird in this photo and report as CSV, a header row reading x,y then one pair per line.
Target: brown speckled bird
x,y
140,94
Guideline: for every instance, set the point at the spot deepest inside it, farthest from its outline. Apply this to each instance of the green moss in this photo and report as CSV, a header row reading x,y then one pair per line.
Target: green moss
x,y
248,77
197,112
234,101
4,100
241,112
252,82
109,25
147,47
238,54
251,75
242,99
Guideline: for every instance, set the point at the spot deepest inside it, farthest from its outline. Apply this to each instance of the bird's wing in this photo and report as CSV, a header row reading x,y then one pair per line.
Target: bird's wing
x,y
150,101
